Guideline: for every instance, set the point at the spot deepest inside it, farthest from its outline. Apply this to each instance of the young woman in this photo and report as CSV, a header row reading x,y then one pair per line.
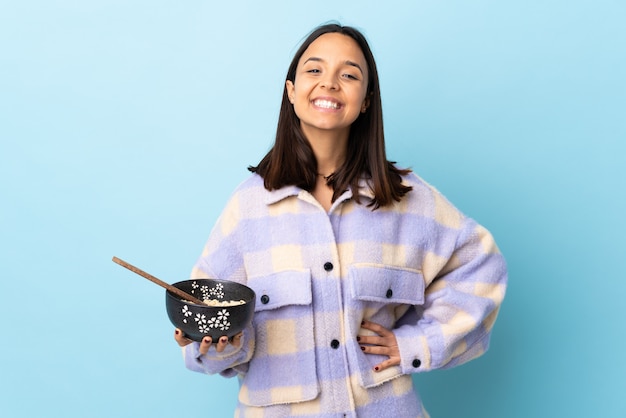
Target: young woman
x,y
364,273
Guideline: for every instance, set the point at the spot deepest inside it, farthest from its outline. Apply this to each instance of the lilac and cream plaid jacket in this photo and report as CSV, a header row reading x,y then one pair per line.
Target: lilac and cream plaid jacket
x,y
418,267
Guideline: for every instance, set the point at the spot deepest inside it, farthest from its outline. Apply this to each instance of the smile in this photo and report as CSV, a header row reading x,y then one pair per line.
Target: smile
x,y
326,104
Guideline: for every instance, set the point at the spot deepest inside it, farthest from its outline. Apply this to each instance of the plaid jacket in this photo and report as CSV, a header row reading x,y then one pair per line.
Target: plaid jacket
x,y
419,267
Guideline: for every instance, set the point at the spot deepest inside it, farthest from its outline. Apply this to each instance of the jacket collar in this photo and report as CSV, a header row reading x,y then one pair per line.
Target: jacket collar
x,y
276,196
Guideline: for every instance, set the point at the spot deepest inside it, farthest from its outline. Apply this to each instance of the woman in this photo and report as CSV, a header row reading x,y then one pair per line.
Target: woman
x,y
364,274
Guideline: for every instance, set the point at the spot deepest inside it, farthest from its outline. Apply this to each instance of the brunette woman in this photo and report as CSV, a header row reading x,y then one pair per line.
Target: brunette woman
x,y
364,273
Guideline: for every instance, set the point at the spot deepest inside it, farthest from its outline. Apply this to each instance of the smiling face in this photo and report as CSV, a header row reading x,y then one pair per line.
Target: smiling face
x,y
330,86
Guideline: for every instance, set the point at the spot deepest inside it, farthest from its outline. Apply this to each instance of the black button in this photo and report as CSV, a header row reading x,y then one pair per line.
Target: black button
x,y
389,293
416,363
265,299
334,344
328,266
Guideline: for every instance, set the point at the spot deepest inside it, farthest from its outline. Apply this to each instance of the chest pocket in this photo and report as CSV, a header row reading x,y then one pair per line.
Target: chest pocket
x,y
386,284
283,368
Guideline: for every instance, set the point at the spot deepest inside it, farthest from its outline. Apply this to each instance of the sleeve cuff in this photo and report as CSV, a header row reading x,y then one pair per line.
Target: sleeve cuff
x,y
214,362
414,352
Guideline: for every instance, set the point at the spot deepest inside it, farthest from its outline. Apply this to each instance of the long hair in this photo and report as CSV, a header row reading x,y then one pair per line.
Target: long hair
x,y
291,160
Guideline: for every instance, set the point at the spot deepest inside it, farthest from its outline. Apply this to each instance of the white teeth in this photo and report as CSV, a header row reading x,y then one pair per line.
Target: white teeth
x,y
327,104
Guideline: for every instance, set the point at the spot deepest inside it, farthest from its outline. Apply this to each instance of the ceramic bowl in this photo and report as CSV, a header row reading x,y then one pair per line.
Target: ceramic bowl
x,y
198,321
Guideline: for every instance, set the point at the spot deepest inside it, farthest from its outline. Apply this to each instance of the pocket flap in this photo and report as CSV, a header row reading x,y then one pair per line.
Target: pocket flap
x,y
291,287
387,284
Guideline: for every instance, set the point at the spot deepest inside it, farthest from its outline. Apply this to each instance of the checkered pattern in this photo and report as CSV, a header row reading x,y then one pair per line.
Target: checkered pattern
x,y
418,267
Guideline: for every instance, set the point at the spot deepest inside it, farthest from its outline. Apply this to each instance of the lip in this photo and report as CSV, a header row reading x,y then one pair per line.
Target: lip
x,y
339,105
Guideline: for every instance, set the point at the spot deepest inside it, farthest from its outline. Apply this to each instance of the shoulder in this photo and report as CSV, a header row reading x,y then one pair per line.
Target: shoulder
x,y
430,202
421,188
251,188
251,198
249,184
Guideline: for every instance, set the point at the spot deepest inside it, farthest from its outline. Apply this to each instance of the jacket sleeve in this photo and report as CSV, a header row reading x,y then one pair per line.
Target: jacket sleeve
x,y
222,258
229,363
461,304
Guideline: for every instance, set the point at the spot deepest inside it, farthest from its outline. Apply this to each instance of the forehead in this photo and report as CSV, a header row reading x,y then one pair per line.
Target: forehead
x,y
335,46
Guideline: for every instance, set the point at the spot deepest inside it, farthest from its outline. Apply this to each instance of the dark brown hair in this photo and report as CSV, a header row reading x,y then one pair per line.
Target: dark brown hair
x,y
291,160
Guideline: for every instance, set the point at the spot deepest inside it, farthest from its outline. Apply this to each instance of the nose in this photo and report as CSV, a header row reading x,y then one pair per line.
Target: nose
x,y
329,82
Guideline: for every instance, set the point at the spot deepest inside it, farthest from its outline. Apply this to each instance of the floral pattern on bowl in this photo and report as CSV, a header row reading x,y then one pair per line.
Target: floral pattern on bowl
x,y
197,321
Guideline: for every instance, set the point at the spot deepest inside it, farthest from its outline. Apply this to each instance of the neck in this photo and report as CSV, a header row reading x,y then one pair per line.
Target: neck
x,y
329,149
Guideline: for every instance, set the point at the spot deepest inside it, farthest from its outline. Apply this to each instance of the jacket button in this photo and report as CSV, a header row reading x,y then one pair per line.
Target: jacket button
x,y
416,363
334,344
389,293
265,299
328,266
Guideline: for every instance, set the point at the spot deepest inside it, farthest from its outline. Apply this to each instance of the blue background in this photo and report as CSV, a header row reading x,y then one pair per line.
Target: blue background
x,y
125,125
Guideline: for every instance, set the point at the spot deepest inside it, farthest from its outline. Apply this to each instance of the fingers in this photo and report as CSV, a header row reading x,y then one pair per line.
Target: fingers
x,y
378,329
385,337
221,344
384,344
382,350
391,351
205,344
207,341
386,364
236,340
180,338
371,339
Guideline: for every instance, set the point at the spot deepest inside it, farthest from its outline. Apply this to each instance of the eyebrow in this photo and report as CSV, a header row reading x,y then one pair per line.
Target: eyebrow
x,y
347,62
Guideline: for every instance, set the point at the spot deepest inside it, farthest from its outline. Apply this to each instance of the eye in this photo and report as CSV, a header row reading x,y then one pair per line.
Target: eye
x,y
351,76
313,71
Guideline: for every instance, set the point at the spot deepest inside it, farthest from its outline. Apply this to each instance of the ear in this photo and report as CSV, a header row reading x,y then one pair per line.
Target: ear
x,y
365,105
290,90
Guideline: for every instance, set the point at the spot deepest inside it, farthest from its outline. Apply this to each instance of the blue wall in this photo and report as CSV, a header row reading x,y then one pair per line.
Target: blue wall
x,y
124,125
